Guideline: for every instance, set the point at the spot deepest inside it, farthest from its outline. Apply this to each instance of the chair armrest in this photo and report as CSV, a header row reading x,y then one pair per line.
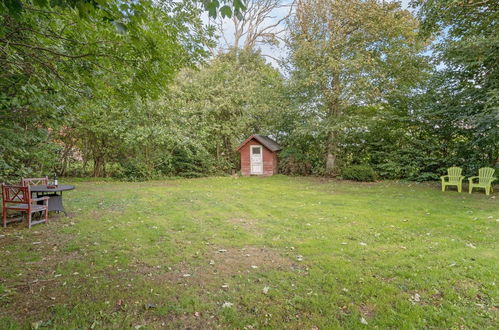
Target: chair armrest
x,y
443,177
471,178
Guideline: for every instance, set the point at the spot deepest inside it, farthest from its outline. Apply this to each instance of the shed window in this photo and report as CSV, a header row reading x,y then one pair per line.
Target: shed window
x,y
256,151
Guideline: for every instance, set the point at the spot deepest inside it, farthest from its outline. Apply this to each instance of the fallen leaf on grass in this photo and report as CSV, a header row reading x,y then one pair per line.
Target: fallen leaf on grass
x,y
265,290
415,298
36,325
363,244
471,245
227,304
363,321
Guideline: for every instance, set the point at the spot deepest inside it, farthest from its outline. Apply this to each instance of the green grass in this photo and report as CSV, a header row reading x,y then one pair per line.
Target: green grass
x,y
398,255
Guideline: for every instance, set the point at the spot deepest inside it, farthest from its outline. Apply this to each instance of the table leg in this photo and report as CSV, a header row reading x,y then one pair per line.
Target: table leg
x,y
55,204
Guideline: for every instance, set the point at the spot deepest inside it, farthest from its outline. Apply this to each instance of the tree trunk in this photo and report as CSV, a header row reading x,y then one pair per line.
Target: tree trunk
x,y
98,166
331,153
84,166
65,160
333,94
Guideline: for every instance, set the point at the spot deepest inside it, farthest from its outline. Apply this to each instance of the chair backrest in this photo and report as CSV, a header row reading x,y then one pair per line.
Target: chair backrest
x,y
35,181
485,174
454,173
16,194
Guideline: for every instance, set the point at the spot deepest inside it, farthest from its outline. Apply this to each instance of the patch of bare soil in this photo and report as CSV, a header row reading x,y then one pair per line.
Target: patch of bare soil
x,y
437,299
243,260
211,272
368,311
220,265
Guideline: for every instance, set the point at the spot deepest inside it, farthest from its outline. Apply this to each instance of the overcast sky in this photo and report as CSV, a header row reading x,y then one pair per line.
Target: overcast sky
x,y
274,52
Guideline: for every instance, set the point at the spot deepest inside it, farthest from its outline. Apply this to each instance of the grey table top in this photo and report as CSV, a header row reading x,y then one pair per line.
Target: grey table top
x,y
61,187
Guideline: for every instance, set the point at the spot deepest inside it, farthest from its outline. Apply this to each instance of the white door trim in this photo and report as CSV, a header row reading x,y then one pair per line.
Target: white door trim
x,y
256,160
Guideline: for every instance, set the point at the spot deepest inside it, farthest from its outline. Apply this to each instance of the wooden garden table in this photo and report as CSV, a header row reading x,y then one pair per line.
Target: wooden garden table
x,y
55,194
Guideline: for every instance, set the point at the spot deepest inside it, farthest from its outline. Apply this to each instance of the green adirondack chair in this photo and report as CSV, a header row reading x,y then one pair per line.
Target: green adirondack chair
x,y
453,178
485,178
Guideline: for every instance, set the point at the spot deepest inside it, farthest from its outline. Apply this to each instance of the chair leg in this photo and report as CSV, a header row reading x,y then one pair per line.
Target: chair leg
x,y
471,188
459,188
29,219
47,215
487,191
443,187
4,217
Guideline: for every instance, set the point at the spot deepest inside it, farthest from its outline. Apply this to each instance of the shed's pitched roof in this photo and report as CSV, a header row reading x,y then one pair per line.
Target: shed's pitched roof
x,y
265,140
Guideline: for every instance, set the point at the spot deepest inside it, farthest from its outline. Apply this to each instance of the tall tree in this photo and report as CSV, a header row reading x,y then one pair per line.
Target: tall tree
x,y
60,63
351,53
464,96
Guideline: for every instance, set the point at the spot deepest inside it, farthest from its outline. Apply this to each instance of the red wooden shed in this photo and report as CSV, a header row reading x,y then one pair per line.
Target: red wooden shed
x,y
259,155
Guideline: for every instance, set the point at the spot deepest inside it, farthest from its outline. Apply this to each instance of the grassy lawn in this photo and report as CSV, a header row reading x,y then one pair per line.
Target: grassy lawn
x,y
255,253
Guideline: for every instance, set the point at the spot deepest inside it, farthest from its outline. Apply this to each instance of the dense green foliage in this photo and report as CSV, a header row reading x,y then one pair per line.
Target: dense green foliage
x,y
359,173
78,87
129,89
462,101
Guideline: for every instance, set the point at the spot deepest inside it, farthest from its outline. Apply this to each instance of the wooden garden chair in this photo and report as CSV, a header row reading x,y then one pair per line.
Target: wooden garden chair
x,y
35,181
453,178
485,178
19,198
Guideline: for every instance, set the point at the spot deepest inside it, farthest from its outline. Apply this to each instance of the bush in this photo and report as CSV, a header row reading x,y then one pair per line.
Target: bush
x,y
359,173
132,170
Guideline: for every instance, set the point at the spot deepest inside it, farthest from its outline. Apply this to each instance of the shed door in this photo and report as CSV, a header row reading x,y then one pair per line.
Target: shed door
x,y
256,158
